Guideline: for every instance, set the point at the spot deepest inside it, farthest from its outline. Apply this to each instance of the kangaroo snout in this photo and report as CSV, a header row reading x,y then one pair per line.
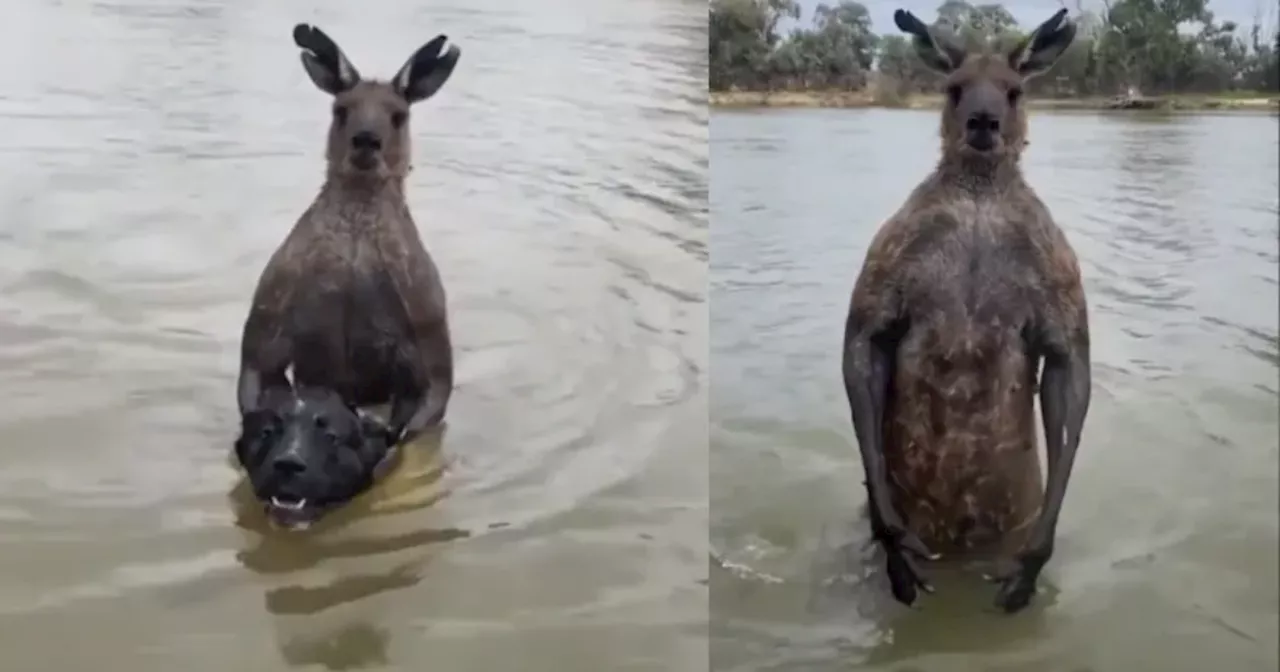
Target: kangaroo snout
x,y
367,141
981,129
983,121
366,150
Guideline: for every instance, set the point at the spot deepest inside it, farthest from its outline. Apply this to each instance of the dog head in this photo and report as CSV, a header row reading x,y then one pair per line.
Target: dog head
x,y
307,452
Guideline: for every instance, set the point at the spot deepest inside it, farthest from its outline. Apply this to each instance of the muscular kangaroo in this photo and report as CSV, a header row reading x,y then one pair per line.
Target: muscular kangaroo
x,y
351,301
963,293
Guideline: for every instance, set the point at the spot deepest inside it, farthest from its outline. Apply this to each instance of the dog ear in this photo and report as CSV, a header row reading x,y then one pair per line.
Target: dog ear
x,y
373,428
249,390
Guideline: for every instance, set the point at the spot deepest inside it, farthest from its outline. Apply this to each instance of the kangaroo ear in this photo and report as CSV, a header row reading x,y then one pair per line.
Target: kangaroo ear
x,y
1035,54
324,62
935,50
426,70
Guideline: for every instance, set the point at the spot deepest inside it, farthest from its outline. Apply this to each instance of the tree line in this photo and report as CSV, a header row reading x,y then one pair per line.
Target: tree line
x,y
1152,47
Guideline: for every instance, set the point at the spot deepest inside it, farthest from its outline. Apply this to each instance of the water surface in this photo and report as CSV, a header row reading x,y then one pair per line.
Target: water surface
x,y
156,153
1167,548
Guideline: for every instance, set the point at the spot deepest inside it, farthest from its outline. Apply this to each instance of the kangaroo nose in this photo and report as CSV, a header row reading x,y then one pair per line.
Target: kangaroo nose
x,y
367,140
288,465
982,121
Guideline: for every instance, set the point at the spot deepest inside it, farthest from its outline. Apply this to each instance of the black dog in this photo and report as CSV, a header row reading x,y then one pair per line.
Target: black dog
x,y
307,452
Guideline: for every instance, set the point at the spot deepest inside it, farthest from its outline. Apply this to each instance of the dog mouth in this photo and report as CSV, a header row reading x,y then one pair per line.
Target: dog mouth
x,y
292,513
288,504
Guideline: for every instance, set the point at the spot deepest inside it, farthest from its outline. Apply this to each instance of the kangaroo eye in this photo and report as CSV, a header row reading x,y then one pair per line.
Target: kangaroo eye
x,y
1015,94
398,118
953,93
322,422
340,114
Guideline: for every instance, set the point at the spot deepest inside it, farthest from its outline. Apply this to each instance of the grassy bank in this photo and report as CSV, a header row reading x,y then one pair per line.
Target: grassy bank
x,y
867,98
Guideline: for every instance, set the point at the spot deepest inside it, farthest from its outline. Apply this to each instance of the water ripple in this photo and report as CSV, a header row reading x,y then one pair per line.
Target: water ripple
x,y
1175,221
158,152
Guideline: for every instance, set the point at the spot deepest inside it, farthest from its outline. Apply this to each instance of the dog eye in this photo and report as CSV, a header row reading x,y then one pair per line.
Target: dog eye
x,y
260,423
322,422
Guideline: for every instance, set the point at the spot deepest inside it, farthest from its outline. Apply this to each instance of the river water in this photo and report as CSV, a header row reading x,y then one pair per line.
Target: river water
x,y
155,154
1167,553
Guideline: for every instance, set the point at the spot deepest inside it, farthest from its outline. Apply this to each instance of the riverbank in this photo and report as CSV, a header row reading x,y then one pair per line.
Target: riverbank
x,y
868,99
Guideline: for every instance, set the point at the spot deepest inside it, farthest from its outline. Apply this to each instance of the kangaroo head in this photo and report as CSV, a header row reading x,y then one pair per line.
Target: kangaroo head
x,y
369,133
984,113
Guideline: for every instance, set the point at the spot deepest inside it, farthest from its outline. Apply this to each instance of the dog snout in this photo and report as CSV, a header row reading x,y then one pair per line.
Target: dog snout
x,y
366,141
288,465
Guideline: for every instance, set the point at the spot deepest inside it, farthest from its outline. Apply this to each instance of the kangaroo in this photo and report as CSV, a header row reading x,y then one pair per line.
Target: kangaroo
x,y
351,301
963,293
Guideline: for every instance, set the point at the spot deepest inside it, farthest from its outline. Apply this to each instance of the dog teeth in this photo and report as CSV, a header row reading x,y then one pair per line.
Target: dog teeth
x,y
290,506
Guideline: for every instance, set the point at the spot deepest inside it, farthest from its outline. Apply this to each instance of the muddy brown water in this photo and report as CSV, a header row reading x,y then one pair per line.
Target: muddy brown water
x,y
1167,551
154,155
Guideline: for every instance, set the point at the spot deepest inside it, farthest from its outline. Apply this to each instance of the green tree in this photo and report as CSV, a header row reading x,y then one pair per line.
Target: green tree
x,y
1151,46
840,49
742,35
901,72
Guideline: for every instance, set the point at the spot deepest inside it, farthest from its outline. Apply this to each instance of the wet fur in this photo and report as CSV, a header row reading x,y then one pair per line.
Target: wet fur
x,y
960,442
351,300
354,299
966,290
342,448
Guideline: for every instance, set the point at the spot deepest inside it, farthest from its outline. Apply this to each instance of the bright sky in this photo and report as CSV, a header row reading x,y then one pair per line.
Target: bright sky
x,y
1031,12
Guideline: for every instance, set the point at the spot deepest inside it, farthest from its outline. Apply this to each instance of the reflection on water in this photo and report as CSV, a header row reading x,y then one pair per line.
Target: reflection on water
x,y
383,558
1168,543
156,154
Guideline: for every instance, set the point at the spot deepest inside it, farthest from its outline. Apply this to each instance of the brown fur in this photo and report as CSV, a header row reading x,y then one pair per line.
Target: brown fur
x,y
960,444
351,300
964,290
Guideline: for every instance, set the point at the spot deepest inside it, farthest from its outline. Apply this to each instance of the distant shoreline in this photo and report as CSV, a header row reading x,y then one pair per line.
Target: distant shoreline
x,y
867,99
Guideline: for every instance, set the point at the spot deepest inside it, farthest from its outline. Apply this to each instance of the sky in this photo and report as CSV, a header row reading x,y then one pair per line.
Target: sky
x,y
1031,12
